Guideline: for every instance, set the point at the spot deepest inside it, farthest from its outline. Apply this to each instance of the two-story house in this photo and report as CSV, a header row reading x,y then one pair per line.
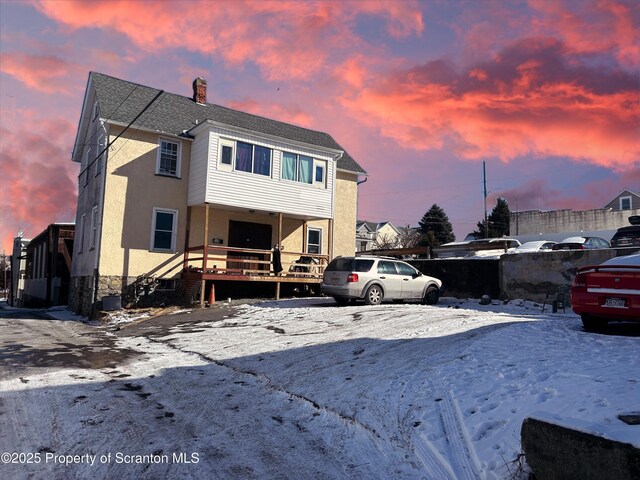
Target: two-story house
x,y
178,195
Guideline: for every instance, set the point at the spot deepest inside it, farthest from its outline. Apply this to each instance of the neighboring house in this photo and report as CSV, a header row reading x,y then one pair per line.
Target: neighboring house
x,y
625,200
365,236
18,270
48,266
371,236
559,224
192,195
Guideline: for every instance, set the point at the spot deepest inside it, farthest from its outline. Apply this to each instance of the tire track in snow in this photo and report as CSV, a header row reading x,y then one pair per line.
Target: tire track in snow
x,y
460,461
266,383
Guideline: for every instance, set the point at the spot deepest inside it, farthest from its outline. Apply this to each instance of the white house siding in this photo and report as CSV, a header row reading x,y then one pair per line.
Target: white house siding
x,y
257,192
198,169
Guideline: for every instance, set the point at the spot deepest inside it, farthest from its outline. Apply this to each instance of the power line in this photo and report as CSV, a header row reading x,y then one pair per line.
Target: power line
x,y
122,132
110,117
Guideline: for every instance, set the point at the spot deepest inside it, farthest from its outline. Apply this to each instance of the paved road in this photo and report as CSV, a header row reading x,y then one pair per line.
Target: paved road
x,y
30,340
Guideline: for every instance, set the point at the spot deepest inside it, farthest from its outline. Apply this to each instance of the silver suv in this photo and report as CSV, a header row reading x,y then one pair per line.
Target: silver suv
x,y
375,279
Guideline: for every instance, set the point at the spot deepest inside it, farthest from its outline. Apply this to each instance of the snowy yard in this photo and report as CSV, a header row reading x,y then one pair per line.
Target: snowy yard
x,y
304,389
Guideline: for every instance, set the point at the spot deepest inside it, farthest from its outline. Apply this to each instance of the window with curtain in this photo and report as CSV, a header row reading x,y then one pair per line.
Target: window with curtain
x,y
251,158
299,168
262,160
305,165
289,166
244,153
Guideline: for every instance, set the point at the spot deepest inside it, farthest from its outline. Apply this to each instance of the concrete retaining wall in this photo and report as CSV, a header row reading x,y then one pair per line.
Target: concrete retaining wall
x,y
463,278
556,452
530,276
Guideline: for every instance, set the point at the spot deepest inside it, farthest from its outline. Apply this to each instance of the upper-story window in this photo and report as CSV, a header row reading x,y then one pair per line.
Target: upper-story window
x,y
303,169
253,158
625,203
168,161
96,110
226,154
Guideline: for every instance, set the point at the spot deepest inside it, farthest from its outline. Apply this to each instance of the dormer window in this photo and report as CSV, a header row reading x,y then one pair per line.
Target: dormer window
x,y
625,203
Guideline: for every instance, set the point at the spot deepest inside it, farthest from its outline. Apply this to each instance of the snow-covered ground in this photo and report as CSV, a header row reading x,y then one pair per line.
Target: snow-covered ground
x,y
306,389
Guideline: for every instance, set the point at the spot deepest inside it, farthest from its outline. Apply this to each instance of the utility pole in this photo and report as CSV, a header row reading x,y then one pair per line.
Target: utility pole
x,y
484,180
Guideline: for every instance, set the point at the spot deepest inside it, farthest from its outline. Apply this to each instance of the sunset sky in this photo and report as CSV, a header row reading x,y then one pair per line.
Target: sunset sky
x,y
546,92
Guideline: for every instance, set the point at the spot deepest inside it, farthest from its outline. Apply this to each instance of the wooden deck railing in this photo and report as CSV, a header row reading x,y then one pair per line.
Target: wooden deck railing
x,y
221,260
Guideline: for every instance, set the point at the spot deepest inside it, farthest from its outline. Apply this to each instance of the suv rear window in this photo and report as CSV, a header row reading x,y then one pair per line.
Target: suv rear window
x,y
350,265
626,237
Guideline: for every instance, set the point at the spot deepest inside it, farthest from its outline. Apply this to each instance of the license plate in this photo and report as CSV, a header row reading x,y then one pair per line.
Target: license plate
x,y
614,302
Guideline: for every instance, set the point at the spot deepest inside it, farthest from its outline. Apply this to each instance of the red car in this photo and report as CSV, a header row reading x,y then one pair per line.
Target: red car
x,y
609,291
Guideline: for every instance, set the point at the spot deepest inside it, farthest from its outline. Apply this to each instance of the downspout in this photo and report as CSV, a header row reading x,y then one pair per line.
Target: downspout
x,y
333,207
358,183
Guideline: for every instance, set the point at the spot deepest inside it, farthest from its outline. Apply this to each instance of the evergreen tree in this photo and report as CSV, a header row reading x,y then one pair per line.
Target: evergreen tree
x,y
435,228
497,221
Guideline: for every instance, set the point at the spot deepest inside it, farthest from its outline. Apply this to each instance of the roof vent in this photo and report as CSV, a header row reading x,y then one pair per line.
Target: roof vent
x,y
200,91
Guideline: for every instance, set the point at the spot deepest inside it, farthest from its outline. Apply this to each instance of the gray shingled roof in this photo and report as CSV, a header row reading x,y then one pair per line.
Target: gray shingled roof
x,y
121,101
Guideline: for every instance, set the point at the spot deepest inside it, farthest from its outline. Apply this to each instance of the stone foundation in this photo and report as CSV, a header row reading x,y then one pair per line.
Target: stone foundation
x,y
134,292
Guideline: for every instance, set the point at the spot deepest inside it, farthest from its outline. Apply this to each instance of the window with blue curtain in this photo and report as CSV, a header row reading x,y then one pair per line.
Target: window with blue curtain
x,y
262,160
305,169
244,152
289,166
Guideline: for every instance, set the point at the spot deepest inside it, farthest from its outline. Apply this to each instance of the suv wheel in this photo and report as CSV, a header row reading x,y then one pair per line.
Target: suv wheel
x,y
431,296
374,295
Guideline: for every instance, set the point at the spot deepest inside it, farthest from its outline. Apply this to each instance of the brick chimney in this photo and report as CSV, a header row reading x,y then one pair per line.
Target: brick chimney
x,y
200,91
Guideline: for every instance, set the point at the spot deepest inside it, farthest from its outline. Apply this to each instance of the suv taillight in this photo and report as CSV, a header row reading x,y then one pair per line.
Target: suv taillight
x,y
352,277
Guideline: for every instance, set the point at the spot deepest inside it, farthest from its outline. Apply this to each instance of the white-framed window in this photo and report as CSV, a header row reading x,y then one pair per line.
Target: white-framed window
x,y
319,173
164,230
314,240
253,159
226,154
94,227
625,203
99,159
168,160
83,220
303,169
96,110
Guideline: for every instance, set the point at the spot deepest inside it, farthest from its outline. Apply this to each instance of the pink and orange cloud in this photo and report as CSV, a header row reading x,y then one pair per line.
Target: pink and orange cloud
x,y
530,99
45,73
286,39
38,176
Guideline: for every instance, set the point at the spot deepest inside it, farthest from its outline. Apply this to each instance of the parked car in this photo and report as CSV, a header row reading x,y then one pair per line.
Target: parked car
x,y
581,243
626,237
374,279
536,246
491,247
609,291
